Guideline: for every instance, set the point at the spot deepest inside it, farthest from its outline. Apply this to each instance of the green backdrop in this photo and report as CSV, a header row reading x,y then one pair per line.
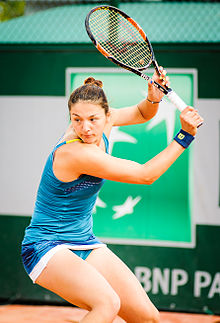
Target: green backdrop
x,y
138,213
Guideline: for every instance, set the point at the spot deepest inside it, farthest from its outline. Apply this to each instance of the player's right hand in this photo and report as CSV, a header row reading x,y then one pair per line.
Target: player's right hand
x,y
190,120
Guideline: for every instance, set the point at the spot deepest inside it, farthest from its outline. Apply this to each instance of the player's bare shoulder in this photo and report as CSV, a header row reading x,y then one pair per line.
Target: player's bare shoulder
x,y
66,161
67,152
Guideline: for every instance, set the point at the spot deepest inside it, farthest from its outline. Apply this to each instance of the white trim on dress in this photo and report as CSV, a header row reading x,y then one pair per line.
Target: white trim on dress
x,y
42,263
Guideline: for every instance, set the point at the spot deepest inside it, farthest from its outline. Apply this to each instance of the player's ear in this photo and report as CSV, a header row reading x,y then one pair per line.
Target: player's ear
x,y
108,115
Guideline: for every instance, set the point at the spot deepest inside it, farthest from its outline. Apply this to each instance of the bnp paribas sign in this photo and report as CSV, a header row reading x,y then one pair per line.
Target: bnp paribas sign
x,y
152,227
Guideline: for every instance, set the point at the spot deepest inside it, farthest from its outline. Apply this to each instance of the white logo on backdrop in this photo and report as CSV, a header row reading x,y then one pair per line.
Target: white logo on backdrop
x,y
167,113
126,208
119,136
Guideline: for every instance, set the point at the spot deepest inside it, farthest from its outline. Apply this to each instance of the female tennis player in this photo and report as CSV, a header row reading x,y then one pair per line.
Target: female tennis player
x,y
59,250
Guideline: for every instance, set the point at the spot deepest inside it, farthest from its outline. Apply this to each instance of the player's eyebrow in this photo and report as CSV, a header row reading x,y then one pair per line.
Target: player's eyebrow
x,y
91,116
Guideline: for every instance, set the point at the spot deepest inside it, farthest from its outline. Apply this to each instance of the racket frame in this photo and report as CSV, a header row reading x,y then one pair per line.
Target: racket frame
x,y
172,95
115,61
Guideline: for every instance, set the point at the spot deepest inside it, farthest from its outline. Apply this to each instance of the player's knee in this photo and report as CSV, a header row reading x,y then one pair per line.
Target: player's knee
x,y
148,315
114,303
109,305
152,316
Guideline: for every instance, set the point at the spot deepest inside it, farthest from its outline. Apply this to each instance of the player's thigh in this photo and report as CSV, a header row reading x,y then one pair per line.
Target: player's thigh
x,y
135,304
76,281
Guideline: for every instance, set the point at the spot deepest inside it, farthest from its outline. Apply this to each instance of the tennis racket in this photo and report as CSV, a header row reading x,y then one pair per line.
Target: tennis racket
x,y
120,39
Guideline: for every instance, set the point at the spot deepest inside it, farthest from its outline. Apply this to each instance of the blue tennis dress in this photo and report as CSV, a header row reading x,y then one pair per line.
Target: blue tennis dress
x,y
62,217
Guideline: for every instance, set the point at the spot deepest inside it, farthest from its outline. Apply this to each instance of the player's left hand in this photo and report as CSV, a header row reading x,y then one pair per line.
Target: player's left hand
x,y
155,94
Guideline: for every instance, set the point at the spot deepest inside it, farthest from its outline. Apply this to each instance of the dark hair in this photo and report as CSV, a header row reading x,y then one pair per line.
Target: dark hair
x,y
91,91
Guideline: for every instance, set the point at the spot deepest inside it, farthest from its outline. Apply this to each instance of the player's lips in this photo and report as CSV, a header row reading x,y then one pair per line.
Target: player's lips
x,y
87,136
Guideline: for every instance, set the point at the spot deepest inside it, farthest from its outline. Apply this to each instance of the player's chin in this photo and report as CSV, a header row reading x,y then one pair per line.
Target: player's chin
x,y
89,139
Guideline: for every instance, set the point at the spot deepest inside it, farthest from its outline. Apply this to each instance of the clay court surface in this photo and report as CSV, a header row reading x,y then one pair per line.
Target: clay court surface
x,y
64,314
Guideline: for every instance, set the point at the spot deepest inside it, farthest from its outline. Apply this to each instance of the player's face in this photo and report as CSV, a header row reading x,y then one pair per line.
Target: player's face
x,y
88,121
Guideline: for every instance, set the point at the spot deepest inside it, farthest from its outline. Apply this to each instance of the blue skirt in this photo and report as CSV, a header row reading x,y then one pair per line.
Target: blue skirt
x,y
35,256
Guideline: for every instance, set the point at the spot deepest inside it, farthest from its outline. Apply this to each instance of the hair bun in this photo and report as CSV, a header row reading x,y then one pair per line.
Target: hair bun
x,y
90,80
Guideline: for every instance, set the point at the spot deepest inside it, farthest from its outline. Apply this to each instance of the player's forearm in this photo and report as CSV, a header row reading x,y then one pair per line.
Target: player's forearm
x,y
148,109
158,165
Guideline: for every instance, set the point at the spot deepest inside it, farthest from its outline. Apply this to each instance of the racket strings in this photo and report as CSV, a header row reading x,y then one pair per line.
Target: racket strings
x,y
127,44
119,38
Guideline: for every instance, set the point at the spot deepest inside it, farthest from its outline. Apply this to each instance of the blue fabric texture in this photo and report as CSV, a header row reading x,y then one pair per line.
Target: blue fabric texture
x,y
32,253
62,213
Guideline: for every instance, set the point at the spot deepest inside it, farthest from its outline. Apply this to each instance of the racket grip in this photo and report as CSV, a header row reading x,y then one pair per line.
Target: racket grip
x,y
176,100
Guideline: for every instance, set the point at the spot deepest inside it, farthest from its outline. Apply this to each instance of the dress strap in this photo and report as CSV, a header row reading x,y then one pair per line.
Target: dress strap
x,y
69,141
106,143
77,139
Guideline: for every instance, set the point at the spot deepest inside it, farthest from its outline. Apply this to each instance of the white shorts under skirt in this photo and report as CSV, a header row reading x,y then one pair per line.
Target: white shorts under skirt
x,y
34,263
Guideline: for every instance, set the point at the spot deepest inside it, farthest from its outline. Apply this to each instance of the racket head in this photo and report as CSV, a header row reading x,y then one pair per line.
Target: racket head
x,y
119,38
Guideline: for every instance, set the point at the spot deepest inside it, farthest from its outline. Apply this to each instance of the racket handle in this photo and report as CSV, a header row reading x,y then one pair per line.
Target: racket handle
x,y
176,100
